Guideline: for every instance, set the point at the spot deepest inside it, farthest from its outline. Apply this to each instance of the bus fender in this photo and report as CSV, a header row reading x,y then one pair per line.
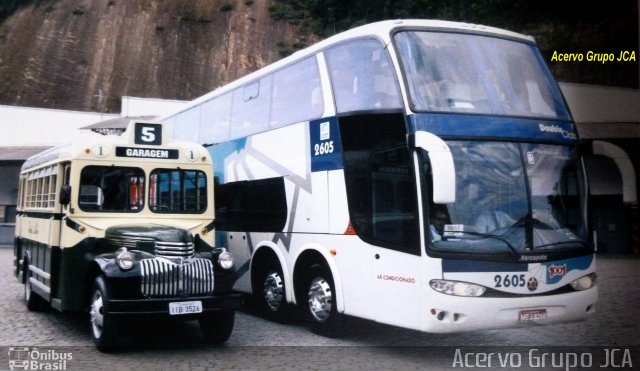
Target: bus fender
x,y
288,281
331,264
107,265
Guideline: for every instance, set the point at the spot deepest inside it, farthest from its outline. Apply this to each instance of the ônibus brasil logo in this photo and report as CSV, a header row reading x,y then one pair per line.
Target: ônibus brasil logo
x,y
26,358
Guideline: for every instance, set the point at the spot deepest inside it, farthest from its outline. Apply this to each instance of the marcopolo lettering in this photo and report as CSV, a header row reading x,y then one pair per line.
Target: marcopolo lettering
x,y
167,154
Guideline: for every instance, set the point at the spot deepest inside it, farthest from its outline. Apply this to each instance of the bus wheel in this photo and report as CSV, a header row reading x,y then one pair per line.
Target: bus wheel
x,y
271,296
103,325
34,301
217,326
321,309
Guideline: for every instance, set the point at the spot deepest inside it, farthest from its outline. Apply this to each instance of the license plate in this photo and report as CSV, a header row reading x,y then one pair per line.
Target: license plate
x,y
185,307
533,315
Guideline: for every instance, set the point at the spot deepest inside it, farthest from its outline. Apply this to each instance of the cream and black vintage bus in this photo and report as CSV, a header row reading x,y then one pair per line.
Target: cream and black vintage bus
x,y
122,226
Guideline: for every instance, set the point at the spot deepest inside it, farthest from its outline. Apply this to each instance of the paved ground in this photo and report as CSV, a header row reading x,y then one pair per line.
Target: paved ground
x,y
257,344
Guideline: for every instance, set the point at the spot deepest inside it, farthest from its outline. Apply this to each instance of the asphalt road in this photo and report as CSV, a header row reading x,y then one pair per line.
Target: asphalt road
x,y
61,341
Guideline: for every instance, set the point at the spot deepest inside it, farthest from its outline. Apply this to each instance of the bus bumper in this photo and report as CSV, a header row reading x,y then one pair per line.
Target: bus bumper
x,y
161,306
453,314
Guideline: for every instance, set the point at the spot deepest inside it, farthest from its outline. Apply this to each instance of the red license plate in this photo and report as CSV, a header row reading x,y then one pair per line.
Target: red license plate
x,y
533,315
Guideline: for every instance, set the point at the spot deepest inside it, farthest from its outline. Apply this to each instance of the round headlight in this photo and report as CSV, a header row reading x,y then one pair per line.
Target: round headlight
x,y
125,259
225,260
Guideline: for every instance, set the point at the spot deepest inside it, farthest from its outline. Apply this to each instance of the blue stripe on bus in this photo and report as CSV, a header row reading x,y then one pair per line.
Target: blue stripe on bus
x,y
455,265
459,125
220,152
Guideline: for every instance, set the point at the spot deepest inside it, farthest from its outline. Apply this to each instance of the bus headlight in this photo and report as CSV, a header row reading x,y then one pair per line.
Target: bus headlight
x,y
125,259
457,288
584,282
225,260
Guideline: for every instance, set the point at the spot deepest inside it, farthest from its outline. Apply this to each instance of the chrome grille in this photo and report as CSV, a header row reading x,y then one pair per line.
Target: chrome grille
x,y
162,278
162,248
174,249
129,241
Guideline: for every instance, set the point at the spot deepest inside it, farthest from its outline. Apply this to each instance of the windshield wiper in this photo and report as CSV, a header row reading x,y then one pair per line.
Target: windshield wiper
x,y
579,242
495,237
529,220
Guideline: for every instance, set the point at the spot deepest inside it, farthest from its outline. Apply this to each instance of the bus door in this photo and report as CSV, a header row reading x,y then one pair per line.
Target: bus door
x,y
62,240
394,235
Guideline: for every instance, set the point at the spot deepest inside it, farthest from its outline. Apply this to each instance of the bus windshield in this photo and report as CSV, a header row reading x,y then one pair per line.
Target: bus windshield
x,y
511,198
123,189
469,73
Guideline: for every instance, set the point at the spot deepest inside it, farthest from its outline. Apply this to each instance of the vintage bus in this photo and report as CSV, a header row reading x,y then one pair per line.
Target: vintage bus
x,y
122,226
418,173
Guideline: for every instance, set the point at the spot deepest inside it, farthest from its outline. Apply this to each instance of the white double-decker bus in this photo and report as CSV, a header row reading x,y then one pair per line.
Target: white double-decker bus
x,y
417,173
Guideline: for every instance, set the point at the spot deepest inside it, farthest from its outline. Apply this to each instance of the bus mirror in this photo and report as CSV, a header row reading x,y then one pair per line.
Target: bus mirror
x,y
442,167
65,195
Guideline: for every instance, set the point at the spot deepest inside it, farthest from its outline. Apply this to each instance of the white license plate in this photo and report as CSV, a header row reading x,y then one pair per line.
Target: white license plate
x,y
533,315
185,307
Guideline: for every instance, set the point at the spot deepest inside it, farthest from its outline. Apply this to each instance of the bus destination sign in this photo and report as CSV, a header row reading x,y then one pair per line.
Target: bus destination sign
x,y
167,154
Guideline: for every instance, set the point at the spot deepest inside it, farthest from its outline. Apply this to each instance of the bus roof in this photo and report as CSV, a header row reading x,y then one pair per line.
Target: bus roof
x,y
381,30
84,141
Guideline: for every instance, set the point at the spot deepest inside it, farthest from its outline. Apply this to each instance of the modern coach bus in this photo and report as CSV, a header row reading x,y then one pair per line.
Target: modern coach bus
x,y
417,173
122,226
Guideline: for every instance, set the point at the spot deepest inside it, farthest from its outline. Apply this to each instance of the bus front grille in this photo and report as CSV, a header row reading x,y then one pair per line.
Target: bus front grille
x,y
161,248
164,278
174,249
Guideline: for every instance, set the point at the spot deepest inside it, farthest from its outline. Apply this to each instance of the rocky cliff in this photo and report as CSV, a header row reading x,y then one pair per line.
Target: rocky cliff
x,y
86,54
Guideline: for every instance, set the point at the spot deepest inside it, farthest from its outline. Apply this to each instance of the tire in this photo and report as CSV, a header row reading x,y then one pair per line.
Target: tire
x,y
33,301
320,305
217,327
104,327
270,295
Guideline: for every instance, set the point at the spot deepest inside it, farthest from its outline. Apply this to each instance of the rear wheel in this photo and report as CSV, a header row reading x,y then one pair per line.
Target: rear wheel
x,y
321,309
217,327
103,325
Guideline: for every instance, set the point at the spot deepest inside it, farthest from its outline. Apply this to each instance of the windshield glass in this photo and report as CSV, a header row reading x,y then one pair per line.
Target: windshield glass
x,y
111,189
450,72
178,191
511,198
124,189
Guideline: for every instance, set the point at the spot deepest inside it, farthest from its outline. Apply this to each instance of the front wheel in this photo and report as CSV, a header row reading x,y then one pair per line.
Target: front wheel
x,y
217,327
34,301
271,297
103,325
321,309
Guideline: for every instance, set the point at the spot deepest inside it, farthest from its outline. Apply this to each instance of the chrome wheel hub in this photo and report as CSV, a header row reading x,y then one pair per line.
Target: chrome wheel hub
x,y
273,290
320,299
97,316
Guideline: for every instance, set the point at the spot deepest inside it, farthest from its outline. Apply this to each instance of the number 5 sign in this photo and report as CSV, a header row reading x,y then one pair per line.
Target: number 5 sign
x,y
149,134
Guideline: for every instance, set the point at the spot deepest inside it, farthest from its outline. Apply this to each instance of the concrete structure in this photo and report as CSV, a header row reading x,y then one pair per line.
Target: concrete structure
x,y
25,131
608,121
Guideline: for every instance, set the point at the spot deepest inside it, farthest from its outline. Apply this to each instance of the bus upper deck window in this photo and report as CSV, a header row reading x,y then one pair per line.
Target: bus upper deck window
x,y
362,76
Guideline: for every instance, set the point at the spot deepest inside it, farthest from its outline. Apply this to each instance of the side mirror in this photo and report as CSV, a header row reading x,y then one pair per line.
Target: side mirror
x,y
65,195
442,167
